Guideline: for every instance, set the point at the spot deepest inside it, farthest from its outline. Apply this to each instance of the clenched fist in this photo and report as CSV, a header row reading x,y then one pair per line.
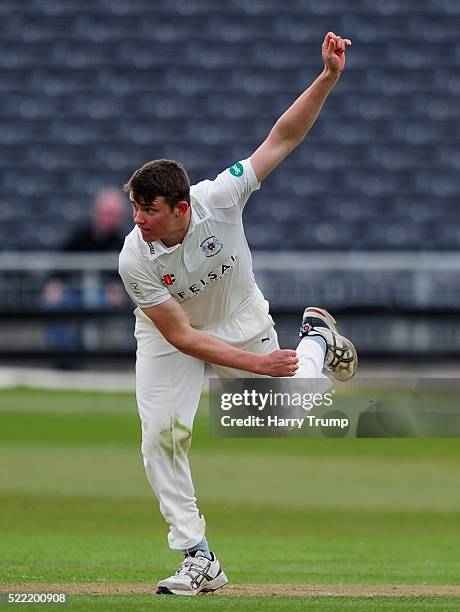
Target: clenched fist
x,y
282,362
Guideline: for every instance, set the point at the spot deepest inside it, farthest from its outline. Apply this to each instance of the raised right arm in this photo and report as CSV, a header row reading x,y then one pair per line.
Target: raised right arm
x,y
171,321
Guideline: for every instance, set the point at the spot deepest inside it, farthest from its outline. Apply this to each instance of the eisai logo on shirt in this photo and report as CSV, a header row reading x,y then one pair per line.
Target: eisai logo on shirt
x,y
211,277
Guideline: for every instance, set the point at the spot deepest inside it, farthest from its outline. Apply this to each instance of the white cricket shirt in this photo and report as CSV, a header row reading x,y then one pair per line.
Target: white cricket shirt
x,y
210,272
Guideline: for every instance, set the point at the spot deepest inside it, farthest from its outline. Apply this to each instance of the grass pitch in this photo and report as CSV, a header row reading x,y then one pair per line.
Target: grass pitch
x,y
355,515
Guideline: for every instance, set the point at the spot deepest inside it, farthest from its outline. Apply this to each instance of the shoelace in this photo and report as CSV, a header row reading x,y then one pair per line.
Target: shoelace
x,y
192,568
193,563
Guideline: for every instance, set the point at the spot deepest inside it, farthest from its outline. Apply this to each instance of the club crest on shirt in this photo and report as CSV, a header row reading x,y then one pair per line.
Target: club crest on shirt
x,y
211,246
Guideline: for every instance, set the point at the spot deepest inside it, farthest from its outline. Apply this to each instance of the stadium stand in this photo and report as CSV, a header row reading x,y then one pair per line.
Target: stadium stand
x,y
90,89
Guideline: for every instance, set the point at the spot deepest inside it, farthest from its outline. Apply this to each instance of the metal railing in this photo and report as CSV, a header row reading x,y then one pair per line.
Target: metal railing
x,y
73,306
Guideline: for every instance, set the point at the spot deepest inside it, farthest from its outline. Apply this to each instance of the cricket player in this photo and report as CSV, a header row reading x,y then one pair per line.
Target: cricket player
x,y
187,266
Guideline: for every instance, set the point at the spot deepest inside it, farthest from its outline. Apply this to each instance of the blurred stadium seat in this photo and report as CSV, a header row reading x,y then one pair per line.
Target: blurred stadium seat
x,y
93,89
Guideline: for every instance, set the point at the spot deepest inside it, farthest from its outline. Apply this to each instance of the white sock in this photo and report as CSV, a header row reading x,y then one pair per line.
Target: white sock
x,y
311,359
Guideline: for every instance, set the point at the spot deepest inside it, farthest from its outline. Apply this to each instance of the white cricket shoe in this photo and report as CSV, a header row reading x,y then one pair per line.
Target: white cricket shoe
x,y
341,357
196,575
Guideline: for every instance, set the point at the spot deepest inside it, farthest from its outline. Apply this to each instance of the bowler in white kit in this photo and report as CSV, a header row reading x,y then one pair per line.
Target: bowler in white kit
x,y
187,266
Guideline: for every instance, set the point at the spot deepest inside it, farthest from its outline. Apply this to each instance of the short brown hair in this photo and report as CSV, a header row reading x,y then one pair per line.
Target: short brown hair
x,y
160,177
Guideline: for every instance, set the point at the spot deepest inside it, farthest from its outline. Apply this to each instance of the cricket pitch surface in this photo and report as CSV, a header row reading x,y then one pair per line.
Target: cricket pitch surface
x,y
144,588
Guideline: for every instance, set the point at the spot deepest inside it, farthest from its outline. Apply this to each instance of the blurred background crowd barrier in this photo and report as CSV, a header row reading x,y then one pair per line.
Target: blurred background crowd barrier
x,y
362,218
393,304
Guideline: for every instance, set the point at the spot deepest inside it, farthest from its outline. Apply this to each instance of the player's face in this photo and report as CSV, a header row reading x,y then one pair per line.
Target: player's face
x,y
157,221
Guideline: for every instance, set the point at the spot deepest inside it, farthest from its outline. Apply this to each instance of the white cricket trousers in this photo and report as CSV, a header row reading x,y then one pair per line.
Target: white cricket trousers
x,y
168,389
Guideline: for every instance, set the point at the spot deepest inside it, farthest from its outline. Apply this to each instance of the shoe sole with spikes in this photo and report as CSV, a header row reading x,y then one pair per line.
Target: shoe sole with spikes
x,y
341,357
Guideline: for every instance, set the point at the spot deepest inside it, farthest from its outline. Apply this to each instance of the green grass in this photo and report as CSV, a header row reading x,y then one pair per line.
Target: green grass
x,y
356,604
262,603
76,506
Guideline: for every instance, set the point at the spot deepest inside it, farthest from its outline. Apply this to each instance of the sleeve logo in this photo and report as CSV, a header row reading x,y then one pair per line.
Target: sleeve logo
x,y
135,289
237,169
